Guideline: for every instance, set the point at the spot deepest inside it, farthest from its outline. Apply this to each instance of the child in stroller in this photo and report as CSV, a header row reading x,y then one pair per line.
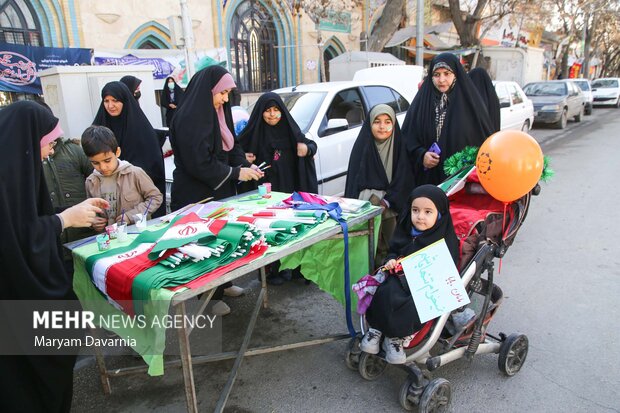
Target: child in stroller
x,y
485,229
392,311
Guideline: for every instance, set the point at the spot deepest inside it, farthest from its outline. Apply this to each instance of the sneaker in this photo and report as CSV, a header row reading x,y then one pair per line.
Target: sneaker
x,y
234,291
220,308
370,341
394,353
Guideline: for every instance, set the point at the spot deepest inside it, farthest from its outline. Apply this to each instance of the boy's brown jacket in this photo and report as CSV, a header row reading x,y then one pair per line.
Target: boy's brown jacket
x,y
134,188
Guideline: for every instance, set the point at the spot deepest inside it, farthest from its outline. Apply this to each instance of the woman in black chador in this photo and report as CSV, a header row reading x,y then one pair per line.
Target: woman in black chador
x,y
133,84
209,162
32,265
171,97
379,170
136,137
481,79
272,137
447,111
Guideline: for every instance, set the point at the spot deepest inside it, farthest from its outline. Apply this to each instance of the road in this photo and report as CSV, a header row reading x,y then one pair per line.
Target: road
x,y
561,280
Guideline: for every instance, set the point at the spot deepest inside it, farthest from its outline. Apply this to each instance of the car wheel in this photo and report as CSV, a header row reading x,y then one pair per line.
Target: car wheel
x,y
618,102
563,121
526,126
580,115
588,111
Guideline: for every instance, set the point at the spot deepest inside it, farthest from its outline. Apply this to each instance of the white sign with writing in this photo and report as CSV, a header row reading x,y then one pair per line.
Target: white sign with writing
x,y
434,281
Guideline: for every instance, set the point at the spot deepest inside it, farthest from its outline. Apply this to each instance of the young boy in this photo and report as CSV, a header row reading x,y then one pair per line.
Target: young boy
x,y
126,187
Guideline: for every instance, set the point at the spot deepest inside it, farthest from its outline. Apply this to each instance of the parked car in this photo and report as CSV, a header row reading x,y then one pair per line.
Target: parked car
x,y
332,114
516,109
606,91
586,88
555,101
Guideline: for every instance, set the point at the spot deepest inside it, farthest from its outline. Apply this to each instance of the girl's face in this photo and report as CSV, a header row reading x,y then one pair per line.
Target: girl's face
x,y
220,98
382,127
443,79
113,106
423,213
272,116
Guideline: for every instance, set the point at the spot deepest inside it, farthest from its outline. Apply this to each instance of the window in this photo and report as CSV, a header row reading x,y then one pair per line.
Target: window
x,y
17,24
346,105
503,95
514,93
380,94
254,58
303,106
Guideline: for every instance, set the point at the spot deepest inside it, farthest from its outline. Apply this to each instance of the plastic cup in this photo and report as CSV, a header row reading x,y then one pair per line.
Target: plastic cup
x,y
262,190
141,224
112,230
103,242
121,232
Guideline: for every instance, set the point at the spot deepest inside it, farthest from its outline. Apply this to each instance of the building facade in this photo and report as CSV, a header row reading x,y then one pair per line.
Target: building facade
x,y
269,43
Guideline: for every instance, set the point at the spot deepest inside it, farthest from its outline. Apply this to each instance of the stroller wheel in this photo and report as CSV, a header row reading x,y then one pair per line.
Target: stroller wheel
x,y
436,397
371,366
409,394
352,354
512,354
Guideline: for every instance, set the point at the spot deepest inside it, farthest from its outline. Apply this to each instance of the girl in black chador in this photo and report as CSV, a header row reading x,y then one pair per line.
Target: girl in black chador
x,y
171,97
273,138
392,311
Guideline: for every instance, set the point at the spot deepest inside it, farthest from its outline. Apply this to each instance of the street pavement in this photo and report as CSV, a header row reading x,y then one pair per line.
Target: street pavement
x,y
560,278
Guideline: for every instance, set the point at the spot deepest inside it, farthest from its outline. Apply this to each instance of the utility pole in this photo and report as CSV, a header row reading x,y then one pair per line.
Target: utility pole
x,y
419,44
188,40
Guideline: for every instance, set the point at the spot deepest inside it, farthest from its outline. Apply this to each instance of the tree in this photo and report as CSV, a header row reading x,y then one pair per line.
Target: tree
x,y
470,17
393,14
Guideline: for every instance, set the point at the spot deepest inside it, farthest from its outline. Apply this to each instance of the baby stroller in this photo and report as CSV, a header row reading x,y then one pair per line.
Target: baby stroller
x,y
485,233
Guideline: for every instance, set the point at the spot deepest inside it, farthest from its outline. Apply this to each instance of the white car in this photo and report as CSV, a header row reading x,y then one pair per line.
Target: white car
x,y
331,114
586,88
606,91
516,109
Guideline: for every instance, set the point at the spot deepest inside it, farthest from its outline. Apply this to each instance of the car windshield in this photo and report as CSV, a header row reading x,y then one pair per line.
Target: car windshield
x,y
303,106
605,83
545,89
583,84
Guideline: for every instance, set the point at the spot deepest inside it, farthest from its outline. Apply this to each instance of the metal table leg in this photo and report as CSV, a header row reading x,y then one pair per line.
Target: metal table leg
x,y
186,361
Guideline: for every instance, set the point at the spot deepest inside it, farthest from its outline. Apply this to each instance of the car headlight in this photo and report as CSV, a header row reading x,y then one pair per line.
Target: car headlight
x,y
550,107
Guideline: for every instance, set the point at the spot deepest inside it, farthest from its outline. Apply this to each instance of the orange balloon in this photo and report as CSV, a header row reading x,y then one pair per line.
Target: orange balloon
x,y
509,164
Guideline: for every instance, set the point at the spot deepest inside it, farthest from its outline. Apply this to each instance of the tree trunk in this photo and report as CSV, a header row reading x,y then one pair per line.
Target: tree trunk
x,y
387,24
466,25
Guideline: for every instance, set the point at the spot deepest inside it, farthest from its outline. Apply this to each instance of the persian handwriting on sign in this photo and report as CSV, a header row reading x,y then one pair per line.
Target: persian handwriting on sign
x,y
434,281
17,69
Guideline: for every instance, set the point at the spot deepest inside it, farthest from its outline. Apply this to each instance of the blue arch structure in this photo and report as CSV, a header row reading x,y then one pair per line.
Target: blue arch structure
x,y
284,32
53,25
336,44
151,31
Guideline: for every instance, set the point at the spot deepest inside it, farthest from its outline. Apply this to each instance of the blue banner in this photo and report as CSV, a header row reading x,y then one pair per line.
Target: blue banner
x,y
19,64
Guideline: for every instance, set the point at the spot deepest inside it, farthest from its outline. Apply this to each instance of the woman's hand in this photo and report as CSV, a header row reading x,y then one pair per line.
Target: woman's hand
x,y
391,265
250,157
85,213
172,106
302,150
248,174
430,160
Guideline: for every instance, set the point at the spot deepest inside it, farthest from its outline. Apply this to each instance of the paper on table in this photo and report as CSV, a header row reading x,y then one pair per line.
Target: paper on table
x,y
434,281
